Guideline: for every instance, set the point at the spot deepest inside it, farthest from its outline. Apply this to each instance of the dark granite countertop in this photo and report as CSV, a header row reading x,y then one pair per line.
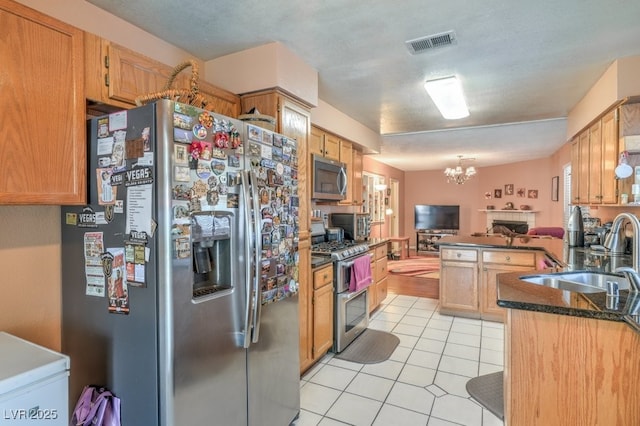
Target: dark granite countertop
x,y
515,293
553,247
318,261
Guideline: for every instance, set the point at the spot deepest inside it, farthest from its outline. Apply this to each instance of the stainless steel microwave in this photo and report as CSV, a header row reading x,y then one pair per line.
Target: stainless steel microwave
x,y
329,179
356,226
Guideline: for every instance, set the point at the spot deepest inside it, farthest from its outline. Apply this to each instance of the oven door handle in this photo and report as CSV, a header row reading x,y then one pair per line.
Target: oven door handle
x,y
349,296
349,264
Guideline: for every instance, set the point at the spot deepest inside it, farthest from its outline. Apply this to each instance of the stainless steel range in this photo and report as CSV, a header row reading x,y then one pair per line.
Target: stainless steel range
x,y
351,309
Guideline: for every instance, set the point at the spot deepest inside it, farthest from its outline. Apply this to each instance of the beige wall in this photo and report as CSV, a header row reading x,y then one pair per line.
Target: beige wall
x,y
30,265
431,187
619,81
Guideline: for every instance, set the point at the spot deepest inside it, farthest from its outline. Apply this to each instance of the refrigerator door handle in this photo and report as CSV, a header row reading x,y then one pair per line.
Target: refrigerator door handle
x,y
248,318
257,300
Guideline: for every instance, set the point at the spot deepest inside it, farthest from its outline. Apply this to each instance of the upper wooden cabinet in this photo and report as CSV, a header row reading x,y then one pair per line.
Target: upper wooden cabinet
x,y
356,178
324,144
42,142
346,157
116,76
293,119
331,146
594,156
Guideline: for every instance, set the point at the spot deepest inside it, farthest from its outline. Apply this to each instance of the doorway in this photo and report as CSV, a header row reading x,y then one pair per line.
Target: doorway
x,y
394,227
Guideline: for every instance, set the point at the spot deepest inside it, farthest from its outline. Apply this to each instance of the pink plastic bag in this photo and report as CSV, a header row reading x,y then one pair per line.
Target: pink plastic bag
x,y
96,406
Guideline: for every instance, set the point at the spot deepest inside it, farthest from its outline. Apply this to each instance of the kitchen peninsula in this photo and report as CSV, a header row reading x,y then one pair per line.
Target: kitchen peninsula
x,y
570,357
469,266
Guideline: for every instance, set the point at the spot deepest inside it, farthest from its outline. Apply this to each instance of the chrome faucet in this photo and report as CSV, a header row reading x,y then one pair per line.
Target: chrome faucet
x,y
613,241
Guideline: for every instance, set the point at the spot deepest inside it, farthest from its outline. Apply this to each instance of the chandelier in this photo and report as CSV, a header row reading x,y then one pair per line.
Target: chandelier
x,y
458,174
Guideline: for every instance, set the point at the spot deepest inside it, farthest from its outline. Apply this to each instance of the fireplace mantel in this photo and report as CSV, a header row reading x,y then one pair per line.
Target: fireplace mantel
x,y
528,216
508,211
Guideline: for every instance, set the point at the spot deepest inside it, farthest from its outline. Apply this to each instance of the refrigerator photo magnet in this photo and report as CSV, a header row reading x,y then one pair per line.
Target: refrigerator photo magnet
x,y
117,291
94,272
106,192
135,261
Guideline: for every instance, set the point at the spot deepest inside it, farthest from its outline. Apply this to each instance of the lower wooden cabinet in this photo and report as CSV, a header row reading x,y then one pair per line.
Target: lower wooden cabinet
x,y
468,279
495,262
316,336
565,370
459,284
378,288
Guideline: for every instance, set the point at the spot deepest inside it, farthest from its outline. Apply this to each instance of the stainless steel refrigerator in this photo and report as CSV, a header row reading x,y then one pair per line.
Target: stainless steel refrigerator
x,y
180,277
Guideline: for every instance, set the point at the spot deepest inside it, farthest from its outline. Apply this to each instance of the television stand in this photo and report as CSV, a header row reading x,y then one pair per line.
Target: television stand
x,y
427,240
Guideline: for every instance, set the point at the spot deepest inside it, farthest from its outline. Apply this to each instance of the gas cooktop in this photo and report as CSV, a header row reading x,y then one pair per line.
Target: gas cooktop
x,y
339,250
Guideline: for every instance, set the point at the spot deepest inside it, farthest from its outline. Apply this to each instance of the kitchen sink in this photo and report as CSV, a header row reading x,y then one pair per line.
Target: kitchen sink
x,y
580,282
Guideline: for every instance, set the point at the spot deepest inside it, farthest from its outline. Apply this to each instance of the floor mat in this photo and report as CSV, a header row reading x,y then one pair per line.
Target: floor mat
x,y
488,391
370,347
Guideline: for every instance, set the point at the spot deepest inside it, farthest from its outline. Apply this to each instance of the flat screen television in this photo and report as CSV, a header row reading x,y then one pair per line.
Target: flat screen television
x,y
437,217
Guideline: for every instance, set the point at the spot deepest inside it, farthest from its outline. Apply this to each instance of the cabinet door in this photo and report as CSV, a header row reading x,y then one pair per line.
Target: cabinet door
x,y
356,185
322,320
117,76
331,147
575,167
609,183
130,74
346,157
583,168
305,306
316,141
595,166
43,144
489,308
459,288
294,121
381,268
373,294
382,288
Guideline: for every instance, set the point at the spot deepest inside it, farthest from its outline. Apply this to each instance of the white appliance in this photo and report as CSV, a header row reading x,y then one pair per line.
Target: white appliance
x,y
34,383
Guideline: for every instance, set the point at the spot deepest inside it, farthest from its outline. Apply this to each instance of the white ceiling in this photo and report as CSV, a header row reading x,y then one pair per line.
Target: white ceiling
x,y
523,64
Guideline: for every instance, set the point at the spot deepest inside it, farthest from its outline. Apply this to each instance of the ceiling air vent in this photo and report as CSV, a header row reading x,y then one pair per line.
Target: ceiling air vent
x,y
423,44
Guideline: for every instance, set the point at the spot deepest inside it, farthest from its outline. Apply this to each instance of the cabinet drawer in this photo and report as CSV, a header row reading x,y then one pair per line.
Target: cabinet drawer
x,y
381,269
459,255
520,258
322,277
381,251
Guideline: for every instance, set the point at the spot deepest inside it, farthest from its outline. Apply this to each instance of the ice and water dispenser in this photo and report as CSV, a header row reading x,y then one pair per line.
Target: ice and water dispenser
x,y
211,252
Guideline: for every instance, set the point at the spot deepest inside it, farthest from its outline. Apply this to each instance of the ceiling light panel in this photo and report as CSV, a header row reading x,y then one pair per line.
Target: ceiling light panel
x,y
447,94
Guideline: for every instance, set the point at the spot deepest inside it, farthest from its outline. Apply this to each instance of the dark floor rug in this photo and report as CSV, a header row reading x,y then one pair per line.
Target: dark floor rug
x,y
370,347
488,391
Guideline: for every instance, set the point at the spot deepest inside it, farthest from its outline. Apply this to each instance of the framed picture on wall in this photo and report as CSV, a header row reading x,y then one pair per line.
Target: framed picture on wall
x,y
508,189
497,193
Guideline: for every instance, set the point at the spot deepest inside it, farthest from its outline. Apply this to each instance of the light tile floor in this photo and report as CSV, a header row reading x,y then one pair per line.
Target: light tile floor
x,y
422,383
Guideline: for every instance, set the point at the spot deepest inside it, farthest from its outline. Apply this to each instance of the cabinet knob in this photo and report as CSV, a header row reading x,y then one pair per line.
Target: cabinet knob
x,y
508,258
459,254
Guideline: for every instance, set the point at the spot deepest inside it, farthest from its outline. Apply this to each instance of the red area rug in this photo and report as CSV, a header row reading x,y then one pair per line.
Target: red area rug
x,y
414,266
